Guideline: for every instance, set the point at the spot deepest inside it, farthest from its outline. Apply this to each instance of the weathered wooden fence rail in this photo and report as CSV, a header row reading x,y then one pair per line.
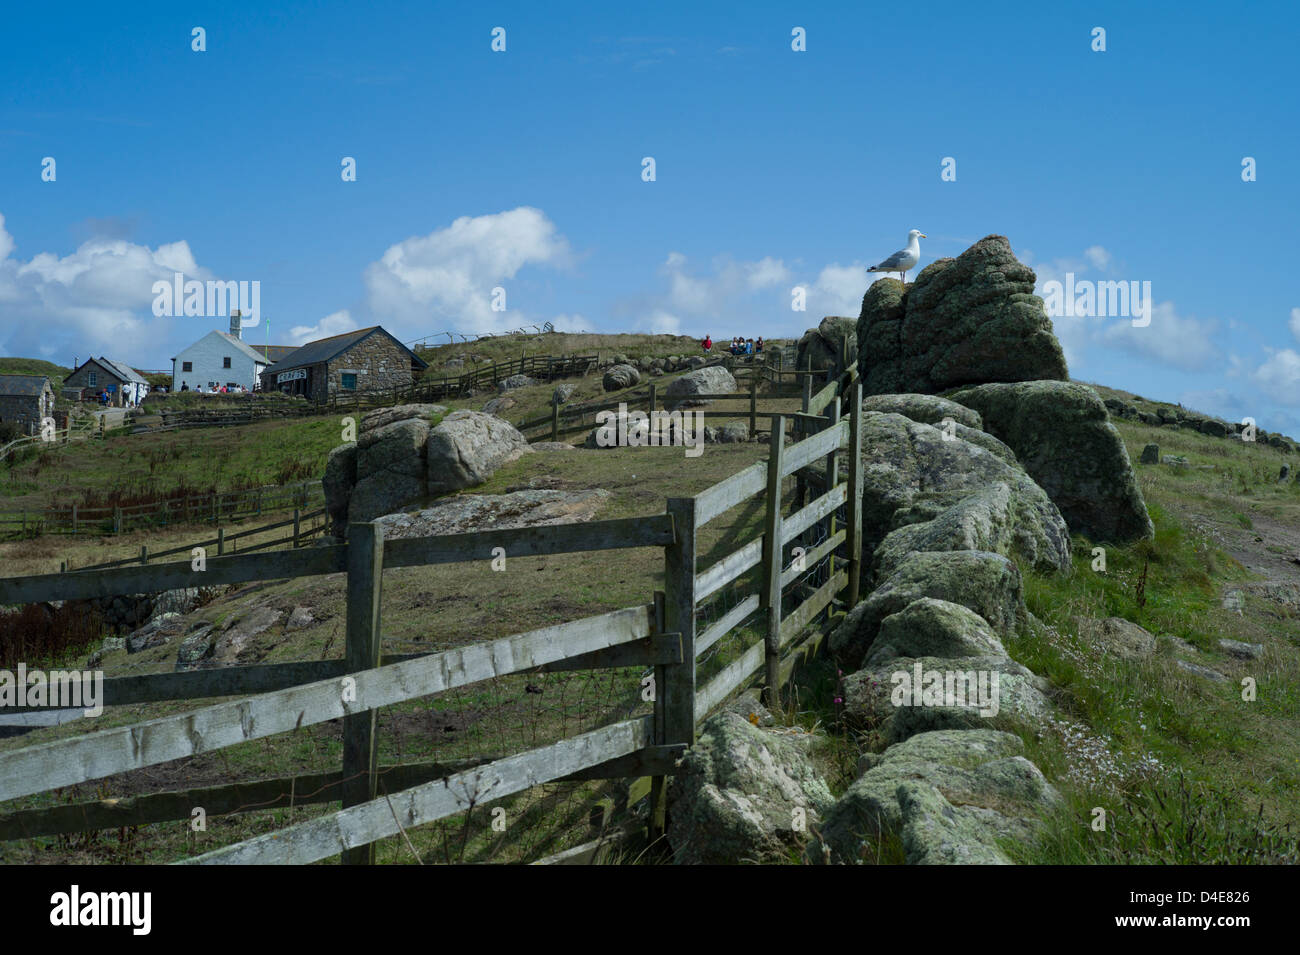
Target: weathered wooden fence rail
x,y
660,635
191,509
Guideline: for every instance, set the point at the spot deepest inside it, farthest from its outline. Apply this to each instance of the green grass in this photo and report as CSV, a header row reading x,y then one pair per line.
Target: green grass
x,y
35,366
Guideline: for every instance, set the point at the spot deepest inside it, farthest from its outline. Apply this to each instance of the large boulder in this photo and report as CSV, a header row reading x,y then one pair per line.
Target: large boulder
x,y
1062,435
467,447
953,693
621,376
743,794
714,380
826,345
933,628
339,479
390,468
515,381
917,474
986,583
927,409
942,797
968,320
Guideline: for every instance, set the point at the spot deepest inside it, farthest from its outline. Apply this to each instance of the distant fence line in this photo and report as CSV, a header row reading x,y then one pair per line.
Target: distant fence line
x,y
661,634
52,439
298,537
211,508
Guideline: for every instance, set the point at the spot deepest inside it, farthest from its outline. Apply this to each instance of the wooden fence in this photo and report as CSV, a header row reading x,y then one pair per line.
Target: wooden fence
x,y
781,383
303,529
197,509
50,440
661,634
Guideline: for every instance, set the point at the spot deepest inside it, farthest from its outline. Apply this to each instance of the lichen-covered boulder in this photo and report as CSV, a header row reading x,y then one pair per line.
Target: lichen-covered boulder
x,y
621,376
942,797
987,583
967,320
908,695
390,468
927,409
1062,436
713,380
743,794
933,628
826,345
968,497
339,479
467,447
515,381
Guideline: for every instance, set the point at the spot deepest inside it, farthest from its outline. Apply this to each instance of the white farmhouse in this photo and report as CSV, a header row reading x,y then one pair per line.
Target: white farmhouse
x,y
221,359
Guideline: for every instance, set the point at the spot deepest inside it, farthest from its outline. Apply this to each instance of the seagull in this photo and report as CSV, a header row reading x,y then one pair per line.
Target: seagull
x,y
903,259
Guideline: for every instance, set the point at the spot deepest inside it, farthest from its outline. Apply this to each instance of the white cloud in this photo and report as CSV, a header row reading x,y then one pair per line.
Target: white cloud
x,y
1295,323
447,276
336,323
97,299
1098,256
663,323
1177,340
838,289
1279,377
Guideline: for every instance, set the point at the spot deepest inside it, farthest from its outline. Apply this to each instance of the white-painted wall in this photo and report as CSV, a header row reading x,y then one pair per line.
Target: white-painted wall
x,y
206,355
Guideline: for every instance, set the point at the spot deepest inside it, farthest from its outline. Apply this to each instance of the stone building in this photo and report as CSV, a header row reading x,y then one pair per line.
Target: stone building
x,y
125,386
368,359
25,400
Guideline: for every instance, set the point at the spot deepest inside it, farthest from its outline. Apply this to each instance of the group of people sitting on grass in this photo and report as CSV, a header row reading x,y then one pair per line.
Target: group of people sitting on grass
x,y
739,346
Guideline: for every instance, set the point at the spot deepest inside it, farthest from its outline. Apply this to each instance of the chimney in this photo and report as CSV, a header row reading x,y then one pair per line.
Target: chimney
x,y
234,323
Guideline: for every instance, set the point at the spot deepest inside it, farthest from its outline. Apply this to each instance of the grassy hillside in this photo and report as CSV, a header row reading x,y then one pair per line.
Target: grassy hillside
x,y
35,366
1187,770
487,350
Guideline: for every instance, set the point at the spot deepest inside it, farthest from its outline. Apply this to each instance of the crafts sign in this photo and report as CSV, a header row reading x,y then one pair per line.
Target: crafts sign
x,y
294,375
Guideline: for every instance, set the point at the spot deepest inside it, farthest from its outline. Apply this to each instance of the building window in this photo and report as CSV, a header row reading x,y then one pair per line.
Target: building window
x,y
187,366
225,362
348,381
92,379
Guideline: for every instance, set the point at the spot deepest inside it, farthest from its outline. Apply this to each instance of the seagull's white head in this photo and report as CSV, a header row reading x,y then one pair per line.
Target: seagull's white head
x,y
916,234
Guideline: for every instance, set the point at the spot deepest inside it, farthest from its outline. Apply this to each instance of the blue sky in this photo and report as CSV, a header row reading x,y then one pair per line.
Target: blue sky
x,y
774,169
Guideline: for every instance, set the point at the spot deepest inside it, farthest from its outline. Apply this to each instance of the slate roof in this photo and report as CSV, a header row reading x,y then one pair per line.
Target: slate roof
x,y
25,385
325,349
124,371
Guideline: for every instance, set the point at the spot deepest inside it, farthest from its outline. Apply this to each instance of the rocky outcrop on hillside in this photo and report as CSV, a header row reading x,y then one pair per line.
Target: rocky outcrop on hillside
x,y
968,320
929,489
744,793
410,453
1062,435
713,380
825,346
619,377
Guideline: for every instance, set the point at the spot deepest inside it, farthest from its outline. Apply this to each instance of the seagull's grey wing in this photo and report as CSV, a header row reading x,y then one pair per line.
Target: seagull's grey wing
x,y
894,262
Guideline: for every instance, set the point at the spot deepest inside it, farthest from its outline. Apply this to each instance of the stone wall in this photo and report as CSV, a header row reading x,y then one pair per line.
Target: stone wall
x,y
378,362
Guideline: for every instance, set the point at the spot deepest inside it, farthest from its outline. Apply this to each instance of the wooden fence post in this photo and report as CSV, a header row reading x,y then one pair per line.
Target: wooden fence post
x,y
853,537
555,417
74,518
658,793
678,687
770,597
221,541
832,471
801,431
753,407
360,754
296,519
